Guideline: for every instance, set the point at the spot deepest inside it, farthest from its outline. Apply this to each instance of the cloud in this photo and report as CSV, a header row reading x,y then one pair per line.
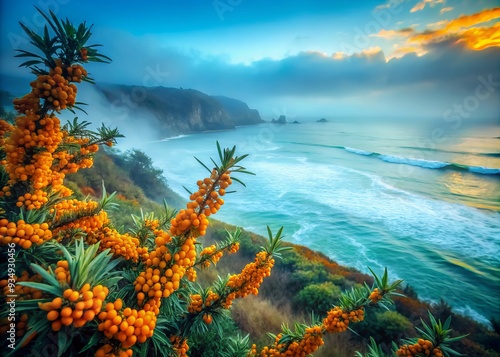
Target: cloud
x,y
446,9
462,30
474,19
391,34
479,38
403,51
422,78
438,24
421,5
387,5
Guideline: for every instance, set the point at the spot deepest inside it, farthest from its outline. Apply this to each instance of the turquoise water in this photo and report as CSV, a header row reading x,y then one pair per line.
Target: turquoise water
x,y
368,196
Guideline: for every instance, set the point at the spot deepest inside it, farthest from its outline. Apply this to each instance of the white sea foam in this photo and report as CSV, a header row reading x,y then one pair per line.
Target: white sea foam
x,y
175,137
414,162
358,151
305,231
272,148
468,311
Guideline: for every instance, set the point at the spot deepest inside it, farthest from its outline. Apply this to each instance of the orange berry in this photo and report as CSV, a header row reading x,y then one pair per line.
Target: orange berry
x,y
127,311
75,295
113,329
56,325
66,321
131,320
89,315
123,325
56,303
26,244
117,320
77,314
52,315
121,336
112,314
66,312
67,293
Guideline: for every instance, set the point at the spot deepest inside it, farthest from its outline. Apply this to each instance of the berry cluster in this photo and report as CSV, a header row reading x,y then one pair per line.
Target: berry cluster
x,y
56,90
109,350
164,269
420,348
204,202
62,272
209,255
76,307
180,345
336,320
120,245
23,234
250,278
309,343
198,304
376,295
21,325
126,325
22,292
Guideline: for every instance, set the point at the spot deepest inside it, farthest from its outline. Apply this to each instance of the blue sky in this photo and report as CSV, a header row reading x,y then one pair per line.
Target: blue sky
x,y
366,58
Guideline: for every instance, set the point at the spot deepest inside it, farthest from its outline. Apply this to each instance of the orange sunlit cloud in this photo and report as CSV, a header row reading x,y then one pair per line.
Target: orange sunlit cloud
x,y
390,34
339,56
479,38
402,51
367,52
463,29
474,19
371,51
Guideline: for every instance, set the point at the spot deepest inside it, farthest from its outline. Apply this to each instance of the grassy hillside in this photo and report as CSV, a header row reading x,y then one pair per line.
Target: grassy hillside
x,y
303,282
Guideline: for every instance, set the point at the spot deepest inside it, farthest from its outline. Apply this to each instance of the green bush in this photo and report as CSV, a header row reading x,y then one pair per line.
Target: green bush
x,y
318,297
384,326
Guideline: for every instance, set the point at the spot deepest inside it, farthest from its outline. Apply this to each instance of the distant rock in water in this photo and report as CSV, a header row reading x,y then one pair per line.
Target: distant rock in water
x,y
173,111
281,120
239,112
322,120
295,122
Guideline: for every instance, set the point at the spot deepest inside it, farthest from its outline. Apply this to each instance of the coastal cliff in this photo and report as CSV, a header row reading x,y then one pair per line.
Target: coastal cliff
x,y
171,111
239,112
176,111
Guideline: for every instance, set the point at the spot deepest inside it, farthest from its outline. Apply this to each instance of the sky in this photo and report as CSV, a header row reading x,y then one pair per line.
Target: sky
x,y
402,59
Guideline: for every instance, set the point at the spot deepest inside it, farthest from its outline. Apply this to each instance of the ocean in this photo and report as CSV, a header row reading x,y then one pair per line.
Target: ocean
x,y
419,199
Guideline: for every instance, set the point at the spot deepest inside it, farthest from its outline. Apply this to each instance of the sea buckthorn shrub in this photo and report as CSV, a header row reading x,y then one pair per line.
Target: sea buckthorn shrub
x,y
84,287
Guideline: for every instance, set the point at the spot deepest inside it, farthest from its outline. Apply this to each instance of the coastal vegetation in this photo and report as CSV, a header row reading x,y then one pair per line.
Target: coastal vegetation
x,y
91,273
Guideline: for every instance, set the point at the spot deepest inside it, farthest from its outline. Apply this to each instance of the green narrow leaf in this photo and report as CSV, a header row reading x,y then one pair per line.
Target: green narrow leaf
x,y
96,337
30,63
202,164
221,157
46,275
43,287
239,181
63,342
